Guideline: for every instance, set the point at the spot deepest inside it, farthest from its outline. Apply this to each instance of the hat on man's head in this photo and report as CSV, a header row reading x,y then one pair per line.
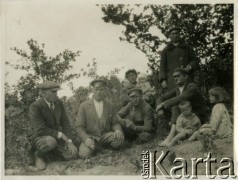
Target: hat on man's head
x,y
134,90
49,85
172,29
130,71
181,70
98,82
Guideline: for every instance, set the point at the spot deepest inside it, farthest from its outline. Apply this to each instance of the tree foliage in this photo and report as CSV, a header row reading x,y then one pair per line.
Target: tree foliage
x,y
39,68
208,28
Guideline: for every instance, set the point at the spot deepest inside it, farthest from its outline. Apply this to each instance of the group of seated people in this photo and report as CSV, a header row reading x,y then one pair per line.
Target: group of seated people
x,y
99,125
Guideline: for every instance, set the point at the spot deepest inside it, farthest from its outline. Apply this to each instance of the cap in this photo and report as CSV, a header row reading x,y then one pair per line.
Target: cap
x,y
130,71
49,85
100,82
181,70
172,29
134,90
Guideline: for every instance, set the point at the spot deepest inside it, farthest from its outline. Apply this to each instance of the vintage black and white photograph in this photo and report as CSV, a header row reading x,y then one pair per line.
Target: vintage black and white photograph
x,y
141,89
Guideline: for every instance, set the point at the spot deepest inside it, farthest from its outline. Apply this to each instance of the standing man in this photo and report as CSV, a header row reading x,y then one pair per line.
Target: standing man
x,y
185,91
131,76
136,117
51,127
97,123
176,54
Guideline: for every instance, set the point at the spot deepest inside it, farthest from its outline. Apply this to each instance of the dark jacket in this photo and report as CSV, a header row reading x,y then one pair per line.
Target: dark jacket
x,y
190,93
173,57
44,122
89,124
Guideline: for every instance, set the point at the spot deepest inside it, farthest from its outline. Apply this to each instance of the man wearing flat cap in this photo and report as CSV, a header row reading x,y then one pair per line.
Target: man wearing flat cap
x,y
97,125
176,54
184,91
51,127
137,118
131,76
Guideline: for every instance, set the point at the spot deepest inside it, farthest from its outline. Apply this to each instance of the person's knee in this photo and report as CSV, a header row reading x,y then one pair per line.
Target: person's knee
x,y
84,151
48,144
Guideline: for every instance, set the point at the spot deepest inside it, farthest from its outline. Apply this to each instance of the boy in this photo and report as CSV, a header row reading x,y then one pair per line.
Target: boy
x,y
187,123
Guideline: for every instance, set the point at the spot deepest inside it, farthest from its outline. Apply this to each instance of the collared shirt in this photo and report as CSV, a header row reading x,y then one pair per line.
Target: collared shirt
x,y
98,107
49,104
181,89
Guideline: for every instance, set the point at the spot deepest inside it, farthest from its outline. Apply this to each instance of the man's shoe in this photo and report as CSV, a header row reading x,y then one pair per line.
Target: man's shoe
x,y
40,163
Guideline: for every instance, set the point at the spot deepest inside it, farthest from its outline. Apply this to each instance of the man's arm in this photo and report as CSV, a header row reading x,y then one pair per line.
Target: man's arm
x,y
191,90
194,61
81,123
122,114
66,127
115,121
168,95
163,66
38,123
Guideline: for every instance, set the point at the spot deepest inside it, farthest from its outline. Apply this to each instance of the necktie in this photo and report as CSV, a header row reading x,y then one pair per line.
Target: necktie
x,y
52,106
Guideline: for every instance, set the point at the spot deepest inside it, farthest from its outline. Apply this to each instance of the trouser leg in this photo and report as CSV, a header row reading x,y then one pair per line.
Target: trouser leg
x,y
44,144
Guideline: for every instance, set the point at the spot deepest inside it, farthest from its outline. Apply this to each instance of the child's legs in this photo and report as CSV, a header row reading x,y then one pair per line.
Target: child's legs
x,y
194,136
170,136
177,138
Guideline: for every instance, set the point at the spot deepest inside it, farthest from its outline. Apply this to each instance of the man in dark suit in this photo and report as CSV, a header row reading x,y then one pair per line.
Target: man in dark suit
x,y
97,123
51,127
185,91
176,54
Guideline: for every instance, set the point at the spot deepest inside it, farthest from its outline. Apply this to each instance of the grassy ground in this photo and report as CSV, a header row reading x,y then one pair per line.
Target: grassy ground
x,y
127,161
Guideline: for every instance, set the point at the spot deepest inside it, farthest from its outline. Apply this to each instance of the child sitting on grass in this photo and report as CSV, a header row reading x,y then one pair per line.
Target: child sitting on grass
x,y
220,125
186,124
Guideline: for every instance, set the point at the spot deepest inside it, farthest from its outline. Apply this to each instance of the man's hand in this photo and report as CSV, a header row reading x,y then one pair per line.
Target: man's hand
x,y
160,106
119,136
164,84
72,148
90,143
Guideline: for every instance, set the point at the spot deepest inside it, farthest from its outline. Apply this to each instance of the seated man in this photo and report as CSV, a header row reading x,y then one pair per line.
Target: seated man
x,y
97,123
51,127
185,91
136,117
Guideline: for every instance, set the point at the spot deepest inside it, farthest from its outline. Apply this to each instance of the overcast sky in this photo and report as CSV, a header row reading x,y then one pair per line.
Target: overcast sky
x,y
68,25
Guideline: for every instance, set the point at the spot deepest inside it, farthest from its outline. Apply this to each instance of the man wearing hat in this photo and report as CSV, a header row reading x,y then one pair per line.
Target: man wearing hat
x,y
176,54
136,117
131,76
184,91
51,127
97,124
